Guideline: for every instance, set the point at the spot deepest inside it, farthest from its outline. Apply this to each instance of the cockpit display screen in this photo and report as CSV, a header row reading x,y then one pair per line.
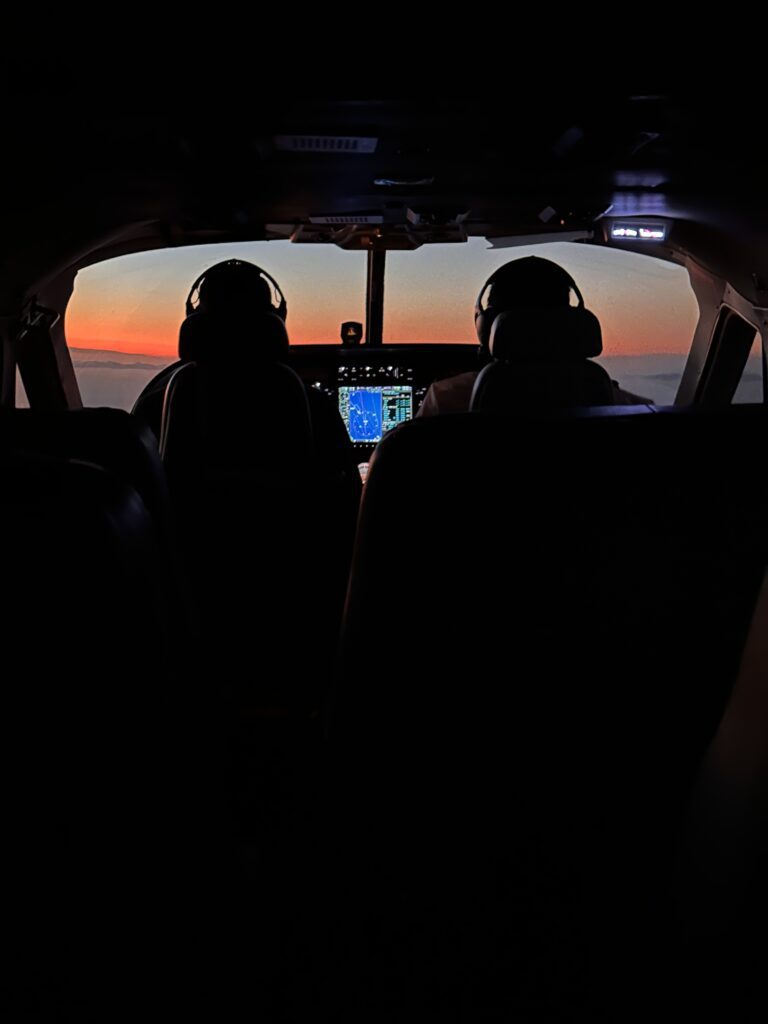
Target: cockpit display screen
x,y
369,413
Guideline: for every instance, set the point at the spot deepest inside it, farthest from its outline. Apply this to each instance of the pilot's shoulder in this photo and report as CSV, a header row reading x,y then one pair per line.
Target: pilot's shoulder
x,y
458,380
621,397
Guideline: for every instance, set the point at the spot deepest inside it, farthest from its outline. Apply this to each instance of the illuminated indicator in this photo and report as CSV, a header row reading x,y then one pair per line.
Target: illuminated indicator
x,y
646,232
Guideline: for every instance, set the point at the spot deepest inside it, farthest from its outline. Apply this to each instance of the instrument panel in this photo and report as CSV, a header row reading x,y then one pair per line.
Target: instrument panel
x,y
378,388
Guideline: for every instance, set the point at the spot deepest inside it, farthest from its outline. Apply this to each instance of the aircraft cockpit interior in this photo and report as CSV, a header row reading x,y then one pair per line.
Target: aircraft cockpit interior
x,y
385,546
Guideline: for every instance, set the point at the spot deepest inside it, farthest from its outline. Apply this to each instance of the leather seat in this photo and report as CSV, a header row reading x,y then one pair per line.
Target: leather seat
x,y
232,409
571,594
259,507
119,444
88,729
542,359
109,438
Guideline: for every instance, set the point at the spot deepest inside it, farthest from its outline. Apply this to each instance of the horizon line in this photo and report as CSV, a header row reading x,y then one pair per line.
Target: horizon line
x,y
334,344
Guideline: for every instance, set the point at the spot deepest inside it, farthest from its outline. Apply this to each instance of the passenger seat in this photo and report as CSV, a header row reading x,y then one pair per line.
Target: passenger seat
x,y
533,662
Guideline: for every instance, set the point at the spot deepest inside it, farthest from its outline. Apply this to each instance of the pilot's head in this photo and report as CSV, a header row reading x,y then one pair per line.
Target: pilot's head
x,y
234,286
234,309
530,282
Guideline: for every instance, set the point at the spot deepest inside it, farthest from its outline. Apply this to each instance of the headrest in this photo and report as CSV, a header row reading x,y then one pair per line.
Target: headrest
x,y
217,337
546,334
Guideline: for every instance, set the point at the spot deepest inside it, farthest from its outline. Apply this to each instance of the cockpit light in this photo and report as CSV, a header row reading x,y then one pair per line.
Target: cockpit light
x,y
639,232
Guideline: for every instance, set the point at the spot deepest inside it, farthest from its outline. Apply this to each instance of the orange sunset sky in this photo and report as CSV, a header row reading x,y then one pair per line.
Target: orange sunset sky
x,y
135,303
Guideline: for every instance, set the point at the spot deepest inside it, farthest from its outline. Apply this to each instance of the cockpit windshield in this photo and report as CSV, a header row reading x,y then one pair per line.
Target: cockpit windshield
x,y
122,321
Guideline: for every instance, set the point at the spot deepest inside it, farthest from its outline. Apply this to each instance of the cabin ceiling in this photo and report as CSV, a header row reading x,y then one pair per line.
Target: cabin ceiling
x,y
84,167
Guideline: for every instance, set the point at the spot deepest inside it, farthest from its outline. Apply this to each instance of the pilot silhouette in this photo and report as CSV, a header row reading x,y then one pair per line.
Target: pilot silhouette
x,y
247,310
531,284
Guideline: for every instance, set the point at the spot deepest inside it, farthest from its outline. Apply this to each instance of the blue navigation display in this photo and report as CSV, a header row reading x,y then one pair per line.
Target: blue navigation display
x,y
369,413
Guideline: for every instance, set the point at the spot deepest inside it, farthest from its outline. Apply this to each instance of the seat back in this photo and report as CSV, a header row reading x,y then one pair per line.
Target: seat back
x,y
584,544
542,360
233,409
526,716
256,509
723,889
125,449
503,387
221,423
88,728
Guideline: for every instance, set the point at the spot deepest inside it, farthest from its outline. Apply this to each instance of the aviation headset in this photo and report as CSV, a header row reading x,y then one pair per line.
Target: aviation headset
x,y
277,302
542,276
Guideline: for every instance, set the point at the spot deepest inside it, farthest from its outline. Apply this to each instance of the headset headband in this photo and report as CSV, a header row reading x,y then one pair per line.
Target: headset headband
x,y
193,301
567,279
